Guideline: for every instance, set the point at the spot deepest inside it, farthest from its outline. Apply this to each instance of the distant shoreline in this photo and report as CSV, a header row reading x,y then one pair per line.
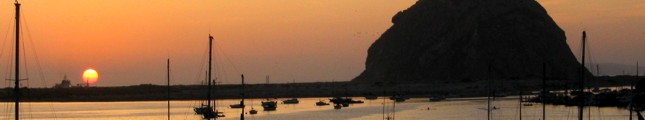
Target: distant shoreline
x,y
148,92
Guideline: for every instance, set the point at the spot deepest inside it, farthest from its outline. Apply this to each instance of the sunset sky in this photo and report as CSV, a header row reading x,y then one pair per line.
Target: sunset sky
x,y
128,41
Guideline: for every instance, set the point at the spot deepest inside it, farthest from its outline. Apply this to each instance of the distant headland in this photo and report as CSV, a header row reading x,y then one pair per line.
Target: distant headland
x,y
464,40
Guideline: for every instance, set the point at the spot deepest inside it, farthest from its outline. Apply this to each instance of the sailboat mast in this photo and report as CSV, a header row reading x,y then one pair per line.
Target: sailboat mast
x,y
598,71
210,60
16,88
632,86
168,83
520,104
582,78
242,102
631,112
489,93
543,91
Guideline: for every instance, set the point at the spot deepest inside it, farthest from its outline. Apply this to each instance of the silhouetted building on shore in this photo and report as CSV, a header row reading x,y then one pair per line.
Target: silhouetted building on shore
x,y
64,84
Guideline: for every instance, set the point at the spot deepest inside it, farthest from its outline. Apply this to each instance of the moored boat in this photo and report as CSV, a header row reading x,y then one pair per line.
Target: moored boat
x,y
291,101
269,105
321,103
236,106
437,98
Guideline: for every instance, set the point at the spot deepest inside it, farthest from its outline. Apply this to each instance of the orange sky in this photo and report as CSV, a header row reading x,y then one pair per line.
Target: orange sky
x,y
128,41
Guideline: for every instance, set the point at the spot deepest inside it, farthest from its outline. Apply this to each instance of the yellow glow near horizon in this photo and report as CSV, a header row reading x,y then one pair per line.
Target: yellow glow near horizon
x,y
90,76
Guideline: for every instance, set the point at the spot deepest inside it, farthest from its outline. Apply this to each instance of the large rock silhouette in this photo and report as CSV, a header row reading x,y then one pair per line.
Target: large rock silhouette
x,y
460,40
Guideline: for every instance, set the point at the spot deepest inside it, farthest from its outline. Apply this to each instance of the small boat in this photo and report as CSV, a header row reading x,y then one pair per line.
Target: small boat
x,y
493,108
236,106
371,97
321,103
291,101
345,104
269,105
355,101
253,111
337,106
437,98
398,98
527,104
338,100
341,101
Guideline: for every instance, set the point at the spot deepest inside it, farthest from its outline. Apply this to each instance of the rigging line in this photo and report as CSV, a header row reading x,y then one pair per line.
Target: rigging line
x,y
36,58
5,38
588,47
228,58
29,110
202,66
218,66
221,73
24,55
24,42
222,67
9,59
198,77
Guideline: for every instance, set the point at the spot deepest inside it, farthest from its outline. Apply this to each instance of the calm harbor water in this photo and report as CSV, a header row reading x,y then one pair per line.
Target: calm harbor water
x,y
413,109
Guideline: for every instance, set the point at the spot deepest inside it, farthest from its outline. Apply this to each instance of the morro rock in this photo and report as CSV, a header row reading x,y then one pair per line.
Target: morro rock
x,y
471,40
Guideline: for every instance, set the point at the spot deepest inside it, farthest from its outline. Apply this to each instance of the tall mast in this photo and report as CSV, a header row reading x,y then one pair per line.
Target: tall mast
x,y
543,91
210,60
633,82
598,71
521,104
582,78
242,102
168,83
631,112
16,88
489,93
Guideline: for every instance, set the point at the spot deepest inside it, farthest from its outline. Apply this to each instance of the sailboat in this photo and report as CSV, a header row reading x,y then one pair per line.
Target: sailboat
x,y
321,103
252,111
581,83
292,100
242,101
269,104
236,106
241,104
207,110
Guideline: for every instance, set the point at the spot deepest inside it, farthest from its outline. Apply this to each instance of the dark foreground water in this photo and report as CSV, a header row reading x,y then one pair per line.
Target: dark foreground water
x,y
413,109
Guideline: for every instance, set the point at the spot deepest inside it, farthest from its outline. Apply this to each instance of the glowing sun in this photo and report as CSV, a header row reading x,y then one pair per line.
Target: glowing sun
x,y
90,76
